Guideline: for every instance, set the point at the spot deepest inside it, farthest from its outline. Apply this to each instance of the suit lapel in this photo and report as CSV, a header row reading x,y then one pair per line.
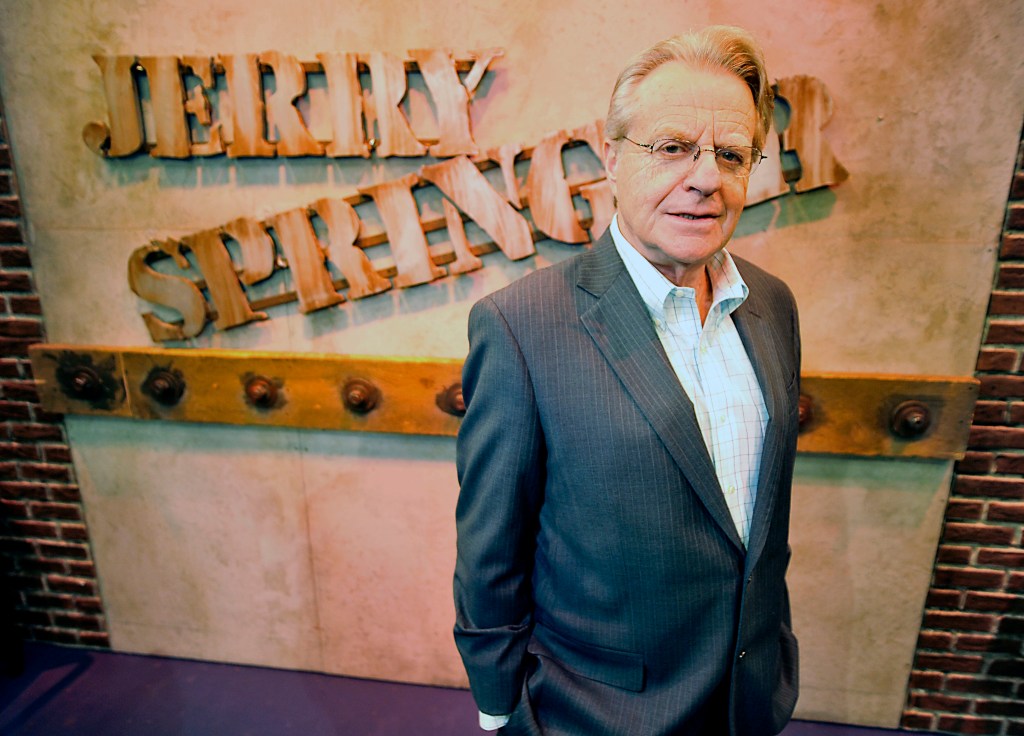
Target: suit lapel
x,y
620,325
762,348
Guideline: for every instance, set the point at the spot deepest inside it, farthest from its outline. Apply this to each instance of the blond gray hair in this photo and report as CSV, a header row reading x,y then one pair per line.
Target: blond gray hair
x,y
725,48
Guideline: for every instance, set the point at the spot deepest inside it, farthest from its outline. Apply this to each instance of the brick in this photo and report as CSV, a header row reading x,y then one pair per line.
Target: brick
x,y
964,510
1016,582
991,412
5,157
44,432
1001,302
924,721
45,471
969,725
987,643
1015,217
67,584
18,490
28,617
10,369
989,359
943,599
1012,246
74,532
43,567
6,183
1002,386
1010,464
91,604
46,417
10,233
24,582
1012,625
57,511
16,256
1007,667
13,509
19,391
15,451
66,494
16,546
932,701
82,569
940,640
1017,413
1003,511
17,346
951,555
979,685
55,636
974,485
920,680
1002,602
10,207
49,600
968,577
959,621
996,437
949,662
15,282
41,529
20,328
1001,557
17,410
57,453
78,621
1017,187
977,533
32,305
63,550
95,639
978,462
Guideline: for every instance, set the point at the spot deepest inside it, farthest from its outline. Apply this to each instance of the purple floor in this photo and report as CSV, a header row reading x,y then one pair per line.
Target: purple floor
x,y
65,691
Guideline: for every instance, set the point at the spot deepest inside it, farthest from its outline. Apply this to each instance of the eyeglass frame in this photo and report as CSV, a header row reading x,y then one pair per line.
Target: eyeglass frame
x,y
754,159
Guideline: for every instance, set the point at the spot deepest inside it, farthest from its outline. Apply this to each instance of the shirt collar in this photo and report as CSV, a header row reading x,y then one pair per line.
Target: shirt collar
x,y
727,286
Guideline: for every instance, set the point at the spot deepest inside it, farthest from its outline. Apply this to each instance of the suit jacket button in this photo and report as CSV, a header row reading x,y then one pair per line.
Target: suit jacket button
x,y
743,654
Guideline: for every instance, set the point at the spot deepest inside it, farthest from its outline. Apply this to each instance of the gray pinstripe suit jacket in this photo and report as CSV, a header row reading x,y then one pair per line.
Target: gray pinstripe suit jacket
x,y
600,586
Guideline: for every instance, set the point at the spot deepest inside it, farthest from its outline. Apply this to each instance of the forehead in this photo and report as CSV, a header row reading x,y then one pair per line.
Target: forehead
x,y
679,100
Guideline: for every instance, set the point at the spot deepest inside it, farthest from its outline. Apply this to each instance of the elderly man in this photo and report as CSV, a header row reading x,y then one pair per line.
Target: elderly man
x,y
627,452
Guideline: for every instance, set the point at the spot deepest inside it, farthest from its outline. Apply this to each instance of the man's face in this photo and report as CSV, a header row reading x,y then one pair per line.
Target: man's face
x,y
679,214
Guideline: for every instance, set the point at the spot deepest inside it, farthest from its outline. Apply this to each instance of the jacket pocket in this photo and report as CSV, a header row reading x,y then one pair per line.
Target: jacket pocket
x,y
611,666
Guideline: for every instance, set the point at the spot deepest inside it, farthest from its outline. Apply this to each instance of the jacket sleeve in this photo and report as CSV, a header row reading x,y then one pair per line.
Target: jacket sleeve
x,y
500,460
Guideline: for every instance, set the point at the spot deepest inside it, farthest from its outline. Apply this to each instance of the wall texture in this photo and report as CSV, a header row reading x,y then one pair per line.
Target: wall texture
x,y
44,544
310,549
969,672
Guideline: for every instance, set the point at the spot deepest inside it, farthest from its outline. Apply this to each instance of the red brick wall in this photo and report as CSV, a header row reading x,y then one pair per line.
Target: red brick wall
x,y
50,586
968,675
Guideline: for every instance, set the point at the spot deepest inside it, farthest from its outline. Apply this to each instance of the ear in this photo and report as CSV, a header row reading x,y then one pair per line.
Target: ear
x,y
611,161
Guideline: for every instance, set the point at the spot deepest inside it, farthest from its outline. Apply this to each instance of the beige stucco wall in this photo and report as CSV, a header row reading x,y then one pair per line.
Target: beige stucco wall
x,y
333,551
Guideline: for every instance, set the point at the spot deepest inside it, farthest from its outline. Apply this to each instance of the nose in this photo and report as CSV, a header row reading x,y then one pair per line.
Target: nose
x,y
704,175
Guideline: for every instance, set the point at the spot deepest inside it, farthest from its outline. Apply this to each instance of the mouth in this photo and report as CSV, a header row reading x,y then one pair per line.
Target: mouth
x,y
689,216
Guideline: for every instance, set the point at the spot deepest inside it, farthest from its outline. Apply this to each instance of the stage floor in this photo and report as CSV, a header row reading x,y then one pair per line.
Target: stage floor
x,y
66,691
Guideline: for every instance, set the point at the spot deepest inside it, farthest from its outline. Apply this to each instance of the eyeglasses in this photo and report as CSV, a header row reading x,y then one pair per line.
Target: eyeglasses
x,y
738,161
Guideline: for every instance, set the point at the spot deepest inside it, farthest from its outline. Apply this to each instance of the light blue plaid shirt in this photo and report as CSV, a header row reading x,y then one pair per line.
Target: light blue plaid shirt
x,y
713,368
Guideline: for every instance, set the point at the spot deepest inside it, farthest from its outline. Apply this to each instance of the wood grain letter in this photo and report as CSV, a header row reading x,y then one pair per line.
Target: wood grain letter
x,y
469,189
401,218
248,125
550,199
451,100
198,105
167,95
345,98
293,137
810,109
343,230
465,261
310,276
174,292
387,75
126,135
226,293
257,249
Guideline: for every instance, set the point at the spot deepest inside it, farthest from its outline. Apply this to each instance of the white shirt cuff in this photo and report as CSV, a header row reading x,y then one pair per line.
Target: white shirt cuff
x,y
492,723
